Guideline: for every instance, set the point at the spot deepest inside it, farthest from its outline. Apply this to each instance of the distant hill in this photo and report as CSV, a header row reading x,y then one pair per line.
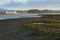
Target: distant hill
x,y
43,11
33,11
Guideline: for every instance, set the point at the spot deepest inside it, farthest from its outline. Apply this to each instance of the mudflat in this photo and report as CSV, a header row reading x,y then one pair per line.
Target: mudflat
x,y
9,29
12,29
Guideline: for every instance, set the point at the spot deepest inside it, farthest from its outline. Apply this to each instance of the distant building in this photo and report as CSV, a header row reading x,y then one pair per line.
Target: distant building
x,y
21,12
11,12
16,12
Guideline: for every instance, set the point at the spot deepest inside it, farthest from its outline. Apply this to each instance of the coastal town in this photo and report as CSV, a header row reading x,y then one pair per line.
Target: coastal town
x,y
28,11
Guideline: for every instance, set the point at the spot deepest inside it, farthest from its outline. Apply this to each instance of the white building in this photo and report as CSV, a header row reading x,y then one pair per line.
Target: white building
x,y
11,12
16,12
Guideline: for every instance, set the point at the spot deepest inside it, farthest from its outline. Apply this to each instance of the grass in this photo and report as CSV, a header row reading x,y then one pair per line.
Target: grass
x,y
49,29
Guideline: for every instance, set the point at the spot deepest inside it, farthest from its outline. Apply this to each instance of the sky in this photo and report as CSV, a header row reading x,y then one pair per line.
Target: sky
x,y
30,4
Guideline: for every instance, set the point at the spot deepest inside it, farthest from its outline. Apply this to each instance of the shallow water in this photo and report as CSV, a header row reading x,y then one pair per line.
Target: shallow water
x,y
12,16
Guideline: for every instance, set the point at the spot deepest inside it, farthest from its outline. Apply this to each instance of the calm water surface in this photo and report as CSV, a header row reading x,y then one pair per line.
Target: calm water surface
x,y
12,16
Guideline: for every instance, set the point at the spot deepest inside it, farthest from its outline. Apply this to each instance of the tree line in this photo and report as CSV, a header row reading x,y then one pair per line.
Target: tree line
x,y
43,11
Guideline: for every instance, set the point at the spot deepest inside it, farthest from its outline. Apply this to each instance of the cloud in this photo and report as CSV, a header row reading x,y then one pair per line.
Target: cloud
x,y
22,1
29,4
4,2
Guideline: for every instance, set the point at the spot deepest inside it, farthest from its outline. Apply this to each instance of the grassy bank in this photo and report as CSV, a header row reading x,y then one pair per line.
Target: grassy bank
x,y
50,29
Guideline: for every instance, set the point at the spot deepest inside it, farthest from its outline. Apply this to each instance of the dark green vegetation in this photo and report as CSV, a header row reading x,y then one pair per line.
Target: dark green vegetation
x,y
31,29
48,30
43,11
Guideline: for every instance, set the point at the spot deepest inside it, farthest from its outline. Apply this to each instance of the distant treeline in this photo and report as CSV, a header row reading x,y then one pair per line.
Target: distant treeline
x,y
43,11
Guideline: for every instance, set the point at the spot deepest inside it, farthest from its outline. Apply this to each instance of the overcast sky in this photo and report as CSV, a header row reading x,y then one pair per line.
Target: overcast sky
x,y
29,4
